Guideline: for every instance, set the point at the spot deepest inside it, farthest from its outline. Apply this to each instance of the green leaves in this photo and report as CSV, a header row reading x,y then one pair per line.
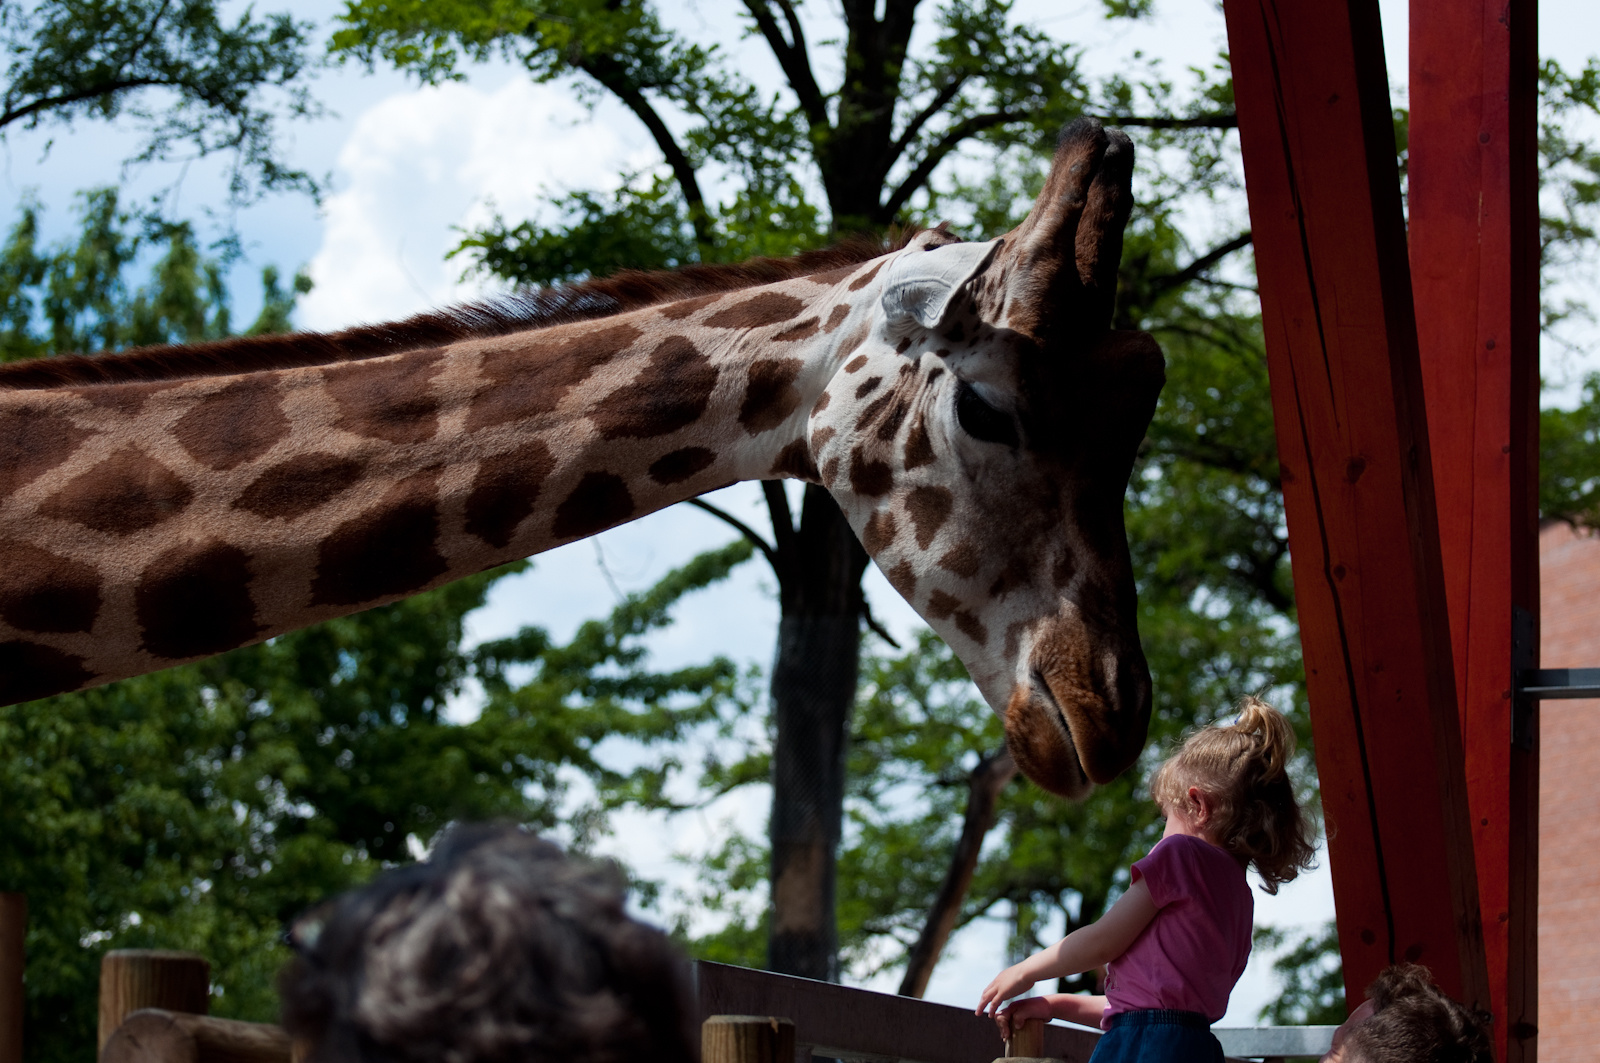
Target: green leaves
x,y
189,78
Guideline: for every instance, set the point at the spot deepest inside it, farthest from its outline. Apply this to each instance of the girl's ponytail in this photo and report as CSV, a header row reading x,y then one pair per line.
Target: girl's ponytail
x,y
1243,767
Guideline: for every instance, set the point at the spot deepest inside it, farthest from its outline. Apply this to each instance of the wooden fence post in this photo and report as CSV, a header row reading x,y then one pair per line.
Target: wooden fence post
x,y
131,979
746,1039
151,1035
1028,1042
13,931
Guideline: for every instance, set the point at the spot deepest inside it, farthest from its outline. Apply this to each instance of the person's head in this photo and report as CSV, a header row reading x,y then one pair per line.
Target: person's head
x,y
499,948
1230,783
1406,1019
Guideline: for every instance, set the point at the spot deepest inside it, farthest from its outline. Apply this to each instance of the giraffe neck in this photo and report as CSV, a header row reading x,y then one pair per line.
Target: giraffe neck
x,y
148,523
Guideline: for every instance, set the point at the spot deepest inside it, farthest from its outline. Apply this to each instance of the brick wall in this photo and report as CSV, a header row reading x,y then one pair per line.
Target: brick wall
x,y
1569,803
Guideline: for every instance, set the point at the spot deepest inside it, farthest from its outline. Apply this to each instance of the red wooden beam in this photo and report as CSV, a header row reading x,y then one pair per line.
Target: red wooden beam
x,y
1318,142
1475,275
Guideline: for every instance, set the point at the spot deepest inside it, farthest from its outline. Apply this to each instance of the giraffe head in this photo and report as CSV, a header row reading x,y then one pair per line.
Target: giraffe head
x,y
980,442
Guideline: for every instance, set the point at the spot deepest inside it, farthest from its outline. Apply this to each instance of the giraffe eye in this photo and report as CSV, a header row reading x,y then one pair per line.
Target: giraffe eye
x,y
982,421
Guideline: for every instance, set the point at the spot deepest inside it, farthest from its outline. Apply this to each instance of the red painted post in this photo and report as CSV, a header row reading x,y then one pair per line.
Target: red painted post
x,y
1475,274
1314,123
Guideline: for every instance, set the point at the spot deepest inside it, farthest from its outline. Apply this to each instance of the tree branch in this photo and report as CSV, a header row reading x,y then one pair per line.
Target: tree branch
x,y
743,529
792,57
1217,120
936,154
104,88
920,119
986,782
1193,270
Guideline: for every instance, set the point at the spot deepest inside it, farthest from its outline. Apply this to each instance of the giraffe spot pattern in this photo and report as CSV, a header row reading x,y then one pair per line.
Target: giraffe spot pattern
x,y
868,386
560,365
670,392
34,441
388,550
822,403
795,461
820,437
879,531
903,578
833,276
971,626
680,464
295,487
42,592
126,399
866,278
830,471
961,559
600,501
919,449
388,400
677,311
868,476
127,492
504,491
767,308
903,346
836,317
29,670
891,423
770,395
854,365
856,339
235,425
802,331
195,600
1014,575
941,605
929,508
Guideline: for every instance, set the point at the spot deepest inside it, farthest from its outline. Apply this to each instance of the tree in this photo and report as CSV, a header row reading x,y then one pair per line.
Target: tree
x,y
203,806
185,75
873,144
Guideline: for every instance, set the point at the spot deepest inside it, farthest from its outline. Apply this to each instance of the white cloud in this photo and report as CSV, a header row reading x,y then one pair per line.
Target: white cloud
x,y
420,164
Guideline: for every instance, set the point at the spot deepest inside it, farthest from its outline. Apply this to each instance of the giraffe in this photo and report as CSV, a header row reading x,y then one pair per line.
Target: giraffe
x,y
965,403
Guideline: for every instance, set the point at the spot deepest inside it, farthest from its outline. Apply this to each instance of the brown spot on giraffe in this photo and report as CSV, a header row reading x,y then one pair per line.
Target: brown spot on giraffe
x,y
869,476
295,487
237,424
929,508
903,346
830,471
600,500
504,490
855,339
801,331
770,395
682,308
127,398
866,278
836,317
903,578
34,441
767,308
43,592
29,670
890,425
822,402
879,531
854,365
670,392
868,386
195,600
919,450
970,626
795,460
126,492
389,402
961,559
679,465
820,437
941,605
530,381
388,550
871,410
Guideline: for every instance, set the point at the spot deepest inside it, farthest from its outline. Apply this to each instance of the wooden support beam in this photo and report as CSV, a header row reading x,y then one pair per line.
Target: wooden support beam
x,y
1315,126
1475,274
152,1035
131,979
746,1039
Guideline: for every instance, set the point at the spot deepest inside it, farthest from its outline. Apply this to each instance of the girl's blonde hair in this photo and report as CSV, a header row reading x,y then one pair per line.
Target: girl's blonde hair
x,y
1243,768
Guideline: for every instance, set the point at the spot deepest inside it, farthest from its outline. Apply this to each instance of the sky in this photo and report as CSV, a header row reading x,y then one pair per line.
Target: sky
x,y
411,167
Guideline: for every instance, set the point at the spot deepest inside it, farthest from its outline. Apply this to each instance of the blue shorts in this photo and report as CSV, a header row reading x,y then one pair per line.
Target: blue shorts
x,y
1158,1037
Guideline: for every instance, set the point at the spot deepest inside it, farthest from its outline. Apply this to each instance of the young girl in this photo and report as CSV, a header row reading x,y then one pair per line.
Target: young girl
x,y
1176,942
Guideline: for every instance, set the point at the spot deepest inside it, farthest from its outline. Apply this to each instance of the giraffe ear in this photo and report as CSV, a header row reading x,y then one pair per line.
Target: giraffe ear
x,y
920,285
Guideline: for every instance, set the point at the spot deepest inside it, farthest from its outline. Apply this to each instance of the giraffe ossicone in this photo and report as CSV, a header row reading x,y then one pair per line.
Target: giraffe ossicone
x,y
966,404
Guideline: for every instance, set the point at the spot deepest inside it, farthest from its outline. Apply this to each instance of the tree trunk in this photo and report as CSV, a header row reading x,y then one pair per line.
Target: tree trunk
x,y
813,693
987,780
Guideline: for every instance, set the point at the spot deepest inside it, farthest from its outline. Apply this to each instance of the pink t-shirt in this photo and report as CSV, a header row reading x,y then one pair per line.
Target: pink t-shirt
x,y
1194,950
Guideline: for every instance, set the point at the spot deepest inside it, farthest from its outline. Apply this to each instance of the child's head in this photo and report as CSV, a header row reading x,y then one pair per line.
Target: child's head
x,y
1242,771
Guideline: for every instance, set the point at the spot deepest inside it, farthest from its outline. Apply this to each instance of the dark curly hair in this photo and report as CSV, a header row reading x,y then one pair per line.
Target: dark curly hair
x,y
499,948
1414,1022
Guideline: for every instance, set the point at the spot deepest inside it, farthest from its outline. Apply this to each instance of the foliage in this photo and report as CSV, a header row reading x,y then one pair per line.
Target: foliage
x,y
1312,980
191,80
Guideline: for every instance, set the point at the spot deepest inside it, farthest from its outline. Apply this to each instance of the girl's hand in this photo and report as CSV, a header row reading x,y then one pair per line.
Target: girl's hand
x,y
1013,1015
1007,984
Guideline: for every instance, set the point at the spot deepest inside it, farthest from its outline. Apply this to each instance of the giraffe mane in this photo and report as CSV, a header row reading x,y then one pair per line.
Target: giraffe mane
x,y
518,311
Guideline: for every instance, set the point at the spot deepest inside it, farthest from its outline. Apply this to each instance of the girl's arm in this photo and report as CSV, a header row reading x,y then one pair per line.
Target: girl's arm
x,y
1082,950
1073,1007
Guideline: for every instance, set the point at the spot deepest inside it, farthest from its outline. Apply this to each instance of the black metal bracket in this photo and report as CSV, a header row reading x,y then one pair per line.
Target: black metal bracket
x,y
1540,684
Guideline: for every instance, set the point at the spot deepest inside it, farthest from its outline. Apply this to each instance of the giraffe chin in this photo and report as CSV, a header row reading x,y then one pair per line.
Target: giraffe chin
x,y
1040,741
